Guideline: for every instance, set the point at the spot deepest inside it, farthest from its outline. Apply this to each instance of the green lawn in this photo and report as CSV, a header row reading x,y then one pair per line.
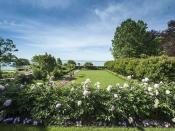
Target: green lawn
x,y
104,77
52,128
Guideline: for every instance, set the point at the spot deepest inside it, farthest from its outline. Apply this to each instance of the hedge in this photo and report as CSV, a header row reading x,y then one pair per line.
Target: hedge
x,y
128,104
156,68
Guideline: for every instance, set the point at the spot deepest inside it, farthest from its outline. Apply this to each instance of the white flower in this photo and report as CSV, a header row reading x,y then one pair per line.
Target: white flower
x,y
87,81
161,83
97,85
79,103
115,96
156,85
85,86
129,77
86,93
125,85
118,84
145,80
112,108
58,105
150,89
157,92
2,88
35,123
109,88
7,103
39,83
156,103
167,92
130,120
173,120
72,89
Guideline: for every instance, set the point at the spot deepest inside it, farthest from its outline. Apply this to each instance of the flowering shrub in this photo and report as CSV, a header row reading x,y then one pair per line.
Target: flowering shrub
x,y
131,103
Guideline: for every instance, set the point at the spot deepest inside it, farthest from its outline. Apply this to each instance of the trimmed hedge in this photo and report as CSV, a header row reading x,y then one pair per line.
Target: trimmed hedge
x,y
156,68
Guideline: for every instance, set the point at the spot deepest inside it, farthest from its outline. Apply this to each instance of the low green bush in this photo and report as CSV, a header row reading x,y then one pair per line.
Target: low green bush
x,y
155,68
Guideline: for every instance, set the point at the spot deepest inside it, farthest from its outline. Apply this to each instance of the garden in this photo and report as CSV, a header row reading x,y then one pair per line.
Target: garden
x,y
135,90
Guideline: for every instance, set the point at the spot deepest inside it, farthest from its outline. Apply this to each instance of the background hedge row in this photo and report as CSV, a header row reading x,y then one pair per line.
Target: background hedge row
x,y
155,68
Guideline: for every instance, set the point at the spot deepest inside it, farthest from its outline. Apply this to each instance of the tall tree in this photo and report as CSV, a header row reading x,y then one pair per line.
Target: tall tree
x,y
168,39
22,62
130,39
7,48
45,62
59,62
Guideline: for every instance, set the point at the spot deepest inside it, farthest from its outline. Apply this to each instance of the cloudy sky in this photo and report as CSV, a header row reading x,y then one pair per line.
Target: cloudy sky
x,y
75,29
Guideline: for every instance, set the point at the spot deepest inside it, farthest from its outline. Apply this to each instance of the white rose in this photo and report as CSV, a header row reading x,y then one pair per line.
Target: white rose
x,y
112,108
115,96
173,120
130,120
150,89
86,93
79,103
7,103
2,88
167,92
156,103
125,85
109,88
129,77
58,105
156,85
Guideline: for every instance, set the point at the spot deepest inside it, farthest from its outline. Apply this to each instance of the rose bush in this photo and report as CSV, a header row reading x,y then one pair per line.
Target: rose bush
x,y
132,103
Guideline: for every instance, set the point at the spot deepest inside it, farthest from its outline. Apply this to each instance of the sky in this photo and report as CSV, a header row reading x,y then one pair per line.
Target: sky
x,y
75,29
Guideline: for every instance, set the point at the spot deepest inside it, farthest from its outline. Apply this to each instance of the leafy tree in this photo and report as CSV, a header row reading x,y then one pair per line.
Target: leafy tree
x,y
88,65
168,39
45,62
59,62
130,40
22,62
7,48
71,62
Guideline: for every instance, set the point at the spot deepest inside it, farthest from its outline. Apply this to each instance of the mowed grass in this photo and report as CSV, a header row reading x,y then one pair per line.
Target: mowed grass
x,y
56,128
104,77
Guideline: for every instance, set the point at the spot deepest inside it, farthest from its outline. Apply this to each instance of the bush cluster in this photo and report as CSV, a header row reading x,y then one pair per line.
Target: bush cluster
x,y
130,103
155,68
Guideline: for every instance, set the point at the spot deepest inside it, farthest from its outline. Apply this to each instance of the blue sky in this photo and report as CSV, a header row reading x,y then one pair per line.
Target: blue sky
x,y
75,29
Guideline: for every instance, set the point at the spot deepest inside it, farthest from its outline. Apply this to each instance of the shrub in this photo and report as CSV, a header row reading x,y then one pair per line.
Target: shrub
x,y
156,68
39,74
23,79
93,105
57,73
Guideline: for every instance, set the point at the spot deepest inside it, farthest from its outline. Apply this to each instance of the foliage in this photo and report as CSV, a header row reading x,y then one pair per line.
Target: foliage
x,y
156,68
72,62
168,39
88,65
45,62
131,102
57,72
39,74
59,62
22,62
7,48
131,40
23,79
